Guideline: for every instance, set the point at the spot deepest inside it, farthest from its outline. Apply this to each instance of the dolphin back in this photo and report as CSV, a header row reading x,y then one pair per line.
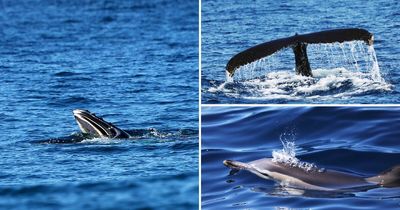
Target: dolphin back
x,y
388,178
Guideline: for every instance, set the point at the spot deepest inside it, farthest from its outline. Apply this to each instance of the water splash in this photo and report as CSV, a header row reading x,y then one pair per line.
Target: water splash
x,y
341,71
103,140
159,134
354,56
375,70
287,155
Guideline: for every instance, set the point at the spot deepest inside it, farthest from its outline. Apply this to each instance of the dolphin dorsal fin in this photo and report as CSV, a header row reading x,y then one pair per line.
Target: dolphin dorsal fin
x,y
387,178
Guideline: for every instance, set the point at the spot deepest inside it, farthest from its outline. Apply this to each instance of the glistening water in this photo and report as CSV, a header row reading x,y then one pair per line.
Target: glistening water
x,y
134,64
349,72
362,141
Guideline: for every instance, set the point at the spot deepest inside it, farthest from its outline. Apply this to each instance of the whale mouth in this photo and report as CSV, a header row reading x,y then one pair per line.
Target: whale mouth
x,y
95,126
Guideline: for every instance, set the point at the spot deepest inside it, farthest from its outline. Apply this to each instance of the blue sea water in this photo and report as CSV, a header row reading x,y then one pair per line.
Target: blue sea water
x,y
229,28
358,140
135,63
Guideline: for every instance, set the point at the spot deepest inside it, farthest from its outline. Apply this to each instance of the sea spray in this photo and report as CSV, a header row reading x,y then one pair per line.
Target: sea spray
x,y
228,77
375,70
355,56
341,71
287,155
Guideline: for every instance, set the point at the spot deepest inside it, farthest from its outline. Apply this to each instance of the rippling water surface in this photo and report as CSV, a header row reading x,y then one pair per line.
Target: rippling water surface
x,y
358,140
228,28
133,63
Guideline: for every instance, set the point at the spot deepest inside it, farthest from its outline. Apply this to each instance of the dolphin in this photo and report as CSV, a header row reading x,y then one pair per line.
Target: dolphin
x,y
95,126
315,179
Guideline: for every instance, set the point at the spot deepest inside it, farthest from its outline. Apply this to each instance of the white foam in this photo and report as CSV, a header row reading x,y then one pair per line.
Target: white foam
x,y
154,132
327,84
287,155
100,141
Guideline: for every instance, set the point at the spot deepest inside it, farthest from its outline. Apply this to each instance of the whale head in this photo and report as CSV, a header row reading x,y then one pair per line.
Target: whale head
x,y
95,126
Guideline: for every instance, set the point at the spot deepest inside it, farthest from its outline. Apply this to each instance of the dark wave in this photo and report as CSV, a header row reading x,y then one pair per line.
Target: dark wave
x,y
65,74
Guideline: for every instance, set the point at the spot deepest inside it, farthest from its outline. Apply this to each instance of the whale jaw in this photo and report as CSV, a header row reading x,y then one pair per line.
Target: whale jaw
x,y
96,126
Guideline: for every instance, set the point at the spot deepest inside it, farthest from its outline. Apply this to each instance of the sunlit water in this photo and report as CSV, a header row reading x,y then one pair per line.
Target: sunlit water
x,y
359,141
370,71
134,64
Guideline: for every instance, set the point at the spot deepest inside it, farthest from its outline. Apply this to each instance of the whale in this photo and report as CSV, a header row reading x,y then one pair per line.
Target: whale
x,y
97,127
298,43
92,126
298,177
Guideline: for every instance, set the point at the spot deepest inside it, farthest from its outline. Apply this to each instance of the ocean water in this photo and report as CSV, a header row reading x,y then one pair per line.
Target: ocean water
x,y
361,141
229,28
133,63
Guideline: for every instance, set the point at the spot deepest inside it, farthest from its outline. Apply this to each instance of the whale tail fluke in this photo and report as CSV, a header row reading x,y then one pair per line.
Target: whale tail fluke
x,y
388,178
299,45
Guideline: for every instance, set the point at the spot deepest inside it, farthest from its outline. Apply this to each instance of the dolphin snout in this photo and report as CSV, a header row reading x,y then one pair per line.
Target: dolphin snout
x,y
228,163
236,164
